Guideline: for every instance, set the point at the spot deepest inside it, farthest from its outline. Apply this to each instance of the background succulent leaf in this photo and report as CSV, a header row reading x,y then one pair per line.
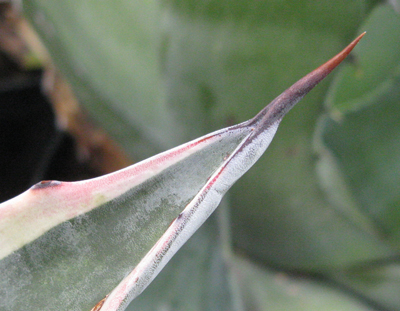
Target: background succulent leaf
x,y
366,149
375,68
357,141
267,290
378,283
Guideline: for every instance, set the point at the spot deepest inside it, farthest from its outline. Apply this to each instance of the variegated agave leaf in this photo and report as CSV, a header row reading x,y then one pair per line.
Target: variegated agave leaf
x,y
66,245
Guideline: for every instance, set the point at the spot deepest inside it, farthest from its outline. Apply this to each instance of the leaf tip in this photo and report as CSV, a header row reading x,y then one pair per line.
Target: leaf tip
x,y
275,111
98,306
332,63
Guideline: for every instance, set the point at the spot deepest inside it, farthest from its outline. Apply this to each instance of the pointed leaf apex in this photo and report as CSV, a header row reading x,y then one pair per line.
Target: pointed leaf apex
x,y
275,111
333,62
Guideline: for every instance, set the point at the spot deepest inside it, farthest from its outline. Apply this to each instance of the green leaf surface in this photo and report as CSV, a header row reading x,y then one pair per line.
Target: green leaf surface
x,y
110,53
366,146
365,142
380,283
359,150
280,214
375,68
267,290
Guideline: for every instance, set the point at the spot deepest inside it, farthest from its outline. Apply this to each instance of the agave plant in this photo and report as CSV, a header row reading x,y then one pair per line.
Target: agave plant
x,y
313,225
97,244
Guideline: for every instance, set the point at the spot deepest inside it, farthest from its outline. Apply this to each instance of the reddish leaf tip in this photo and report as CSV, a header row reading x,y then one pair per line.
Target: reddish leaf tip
x,y
275,111
98,306
336,60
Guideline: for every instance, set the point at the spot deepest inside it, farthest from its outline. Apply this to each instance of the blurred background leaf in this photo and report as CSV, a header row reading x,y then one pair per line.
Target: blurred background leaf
x,y
360,136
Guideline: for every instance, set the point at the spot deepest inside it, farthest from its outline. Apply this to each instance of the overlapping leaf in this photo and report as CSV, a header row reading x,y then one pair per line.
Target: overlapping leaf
x,y
359,150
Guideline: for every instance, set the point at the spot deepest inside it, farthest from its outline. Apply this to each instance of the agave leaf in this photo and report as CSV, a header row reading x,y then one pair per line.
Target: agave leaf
x,y
365,149
200,276
375,67
359,137
377,283
165,72
66,245
268,290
